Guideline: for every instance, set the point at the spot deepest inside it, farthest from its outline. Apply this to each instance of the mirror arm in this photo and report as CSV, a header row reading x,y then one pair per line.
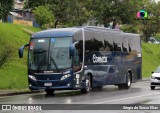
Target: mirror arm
x,y
26,45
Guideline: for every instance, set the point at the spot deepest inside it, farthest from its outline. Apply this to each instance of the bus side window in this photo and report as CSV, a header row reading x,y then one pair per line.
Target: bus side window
x,y
78,56
131,44
109,46
125,45
111,70
117,46
124,48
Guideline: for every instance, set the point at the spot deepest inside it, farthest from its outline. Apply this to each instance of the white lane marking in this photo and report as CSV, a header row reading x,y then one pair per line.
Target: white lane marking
x,y
127,98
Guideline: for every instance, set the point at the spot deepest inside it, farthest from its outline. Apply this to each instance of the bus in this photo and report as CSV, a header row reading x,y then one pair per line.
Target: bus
x,y
82,58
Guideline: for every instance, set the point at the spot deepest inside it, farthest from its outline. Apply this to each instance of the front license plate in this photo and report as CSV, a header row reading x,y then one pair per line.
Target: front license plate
x,y
47,84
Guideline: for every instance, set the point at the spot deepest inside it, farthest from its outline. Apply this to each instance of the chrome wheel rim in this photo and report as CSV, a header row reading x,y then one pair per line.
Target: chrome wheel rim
x,y
129,81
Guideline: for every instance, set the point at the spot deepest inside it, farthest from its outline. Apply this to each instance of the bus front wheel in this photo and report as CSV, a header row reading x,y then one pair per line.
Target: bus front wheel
x,y
87,87
49,91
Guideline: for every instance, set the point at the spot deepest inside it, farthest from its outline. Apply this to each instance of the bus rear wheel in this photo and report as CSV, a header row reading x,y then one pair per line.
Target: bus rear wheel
x,y
128,83
49,91
87,87
120,86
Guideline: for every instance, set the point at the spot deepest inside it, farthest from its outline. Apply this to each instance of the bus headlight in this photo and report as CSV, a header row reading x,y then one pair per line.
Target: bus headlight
x,y
32,77
65,76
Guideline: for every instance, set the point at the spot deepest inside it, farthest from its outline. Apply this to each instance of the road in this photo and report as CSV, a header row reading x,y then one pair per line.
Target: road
x,y
139,93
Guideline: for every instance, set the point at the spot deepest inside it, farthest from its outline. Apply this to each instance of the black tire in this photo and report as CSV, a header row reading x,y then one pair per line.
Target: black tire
x,y
100,87
120,86
128,83
152,87
88,86
49,91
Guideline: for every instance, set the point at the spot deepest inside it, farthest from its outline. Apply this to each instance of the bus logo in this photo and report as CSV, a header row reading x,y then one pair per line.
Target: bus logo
x,y
102,59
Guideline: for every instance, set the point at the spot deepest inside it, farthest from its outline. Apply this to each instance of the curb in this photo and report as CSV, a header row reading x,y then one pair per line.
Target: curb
x,y
145,79
18,93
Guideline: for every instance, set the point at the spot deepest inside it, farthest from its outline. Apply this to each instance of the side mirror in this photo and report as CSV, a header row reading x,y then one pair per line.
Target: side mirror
x,y
152,72
72,48
21,49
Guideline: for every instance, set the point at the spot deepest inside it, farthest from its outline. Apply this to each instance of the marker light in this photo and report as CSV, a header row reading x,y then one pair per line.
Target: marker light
x,y
32,77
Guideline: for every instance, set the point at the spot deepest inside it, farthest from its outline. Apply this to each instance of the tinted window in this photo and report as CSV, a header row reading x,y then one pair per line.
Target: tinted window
x,y
50,54
125,44
38,54
78,52
137,44
59,56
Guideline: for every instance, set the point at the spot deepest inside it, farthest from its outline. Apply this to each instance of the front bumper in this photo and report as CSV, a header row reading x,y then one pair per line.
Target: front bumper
x,y
154,82
55,84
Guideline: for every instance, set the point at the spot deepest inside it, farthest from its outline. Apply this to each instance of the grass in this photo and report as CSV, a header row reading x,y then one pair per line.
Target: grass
x,y
157,36
150,58
13,70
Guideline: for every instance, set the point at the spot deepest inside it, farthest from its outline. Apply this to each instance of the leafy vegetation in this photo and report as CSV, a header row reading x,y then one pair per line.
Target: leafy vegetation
x,y
44,16
77,12
150,58
13,71
150,27
5,7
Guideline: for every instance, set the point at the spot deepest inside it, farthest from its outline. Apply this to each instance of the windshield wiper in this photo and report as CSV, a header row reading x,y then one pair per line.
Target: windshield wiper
x,y
54,64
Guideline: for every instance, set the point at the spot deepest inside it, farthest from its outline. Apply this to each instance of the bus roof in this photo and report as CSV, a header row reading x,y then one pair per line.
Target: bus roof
x,y
62,32
59,32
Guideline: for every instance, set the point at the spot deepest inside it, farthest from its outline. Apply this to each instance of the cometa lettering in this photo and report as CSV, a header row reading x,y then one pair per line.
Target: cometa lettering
x,y
102,59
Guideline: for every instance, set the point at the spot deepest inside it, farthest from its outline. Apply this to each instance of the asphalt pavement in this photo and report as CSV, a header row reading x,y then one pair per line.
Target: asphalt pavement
x,y
20,92
110,96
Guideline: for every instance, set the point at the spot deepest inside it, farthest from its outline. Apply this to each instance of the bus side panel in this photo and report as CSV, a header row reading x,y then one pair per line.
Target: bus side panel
x,y
122,52
107,73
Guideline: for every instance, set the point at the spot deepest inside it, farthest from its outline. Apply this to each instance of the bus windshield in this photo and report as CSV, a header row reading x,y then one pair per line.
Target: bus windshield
x,y
50,54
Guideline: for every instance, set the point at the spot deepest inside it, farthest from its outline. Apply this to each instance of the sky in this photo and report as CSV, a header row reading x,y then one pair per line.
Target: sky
x,y
157,0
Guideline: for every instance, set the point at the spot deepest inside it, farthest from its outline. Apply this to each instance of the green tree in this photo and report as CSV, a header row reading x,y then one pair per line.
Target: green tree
x,y
77,12
32,4
106,11
68,12
151,26
43,16
101,10
5,7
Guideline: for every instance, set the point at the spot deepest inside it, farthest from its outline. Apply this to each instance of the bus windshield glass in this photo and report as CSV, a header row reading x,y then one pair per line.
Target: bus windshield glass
x,y
50,54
